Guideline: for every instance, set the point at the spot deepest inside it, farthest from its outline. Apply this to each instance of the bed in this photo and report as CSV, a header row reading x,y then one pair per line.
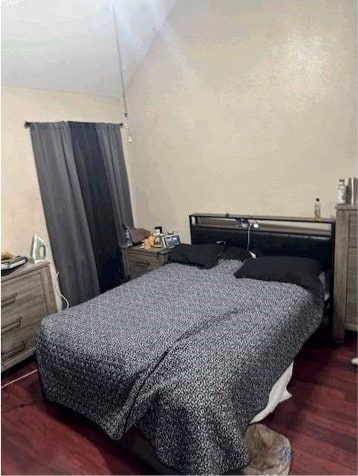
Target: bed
x,y
187,356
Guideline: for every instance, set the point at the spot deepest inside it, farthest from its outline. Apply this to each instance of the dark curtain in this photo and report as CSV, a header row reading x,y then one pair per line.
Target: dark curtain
x,y
64,211
97,202
110,141
92,158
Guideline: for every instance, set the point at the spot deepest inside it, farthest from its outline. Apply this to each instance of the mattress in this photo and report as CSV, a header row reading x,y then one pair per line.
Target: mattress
x,y
188,356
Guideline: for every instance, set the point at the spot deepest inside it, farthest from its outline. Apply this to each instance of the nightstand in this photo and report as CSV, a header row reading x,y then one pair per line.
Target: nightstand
x,y
138,261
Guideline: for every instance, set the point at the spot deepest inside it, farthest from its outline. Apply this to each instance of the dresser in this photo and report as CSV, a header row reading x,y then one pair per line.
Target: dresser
x,y
138,261
27,296
345,272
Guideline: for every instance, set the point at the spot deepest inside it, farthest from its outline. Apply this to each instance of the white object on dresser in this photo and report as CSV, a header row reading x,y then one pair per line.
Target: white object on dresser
x,y
341,192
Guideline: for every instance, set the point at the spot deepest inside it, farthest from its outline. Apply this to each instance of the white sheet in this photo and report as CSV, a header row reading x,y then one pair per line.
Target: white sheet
x,y
277,395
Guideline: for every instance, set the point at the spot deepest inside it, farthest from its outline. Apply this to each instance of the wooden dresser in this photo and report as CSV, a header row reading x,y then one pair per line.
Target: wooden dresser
x,y
138,261
345,274
26,297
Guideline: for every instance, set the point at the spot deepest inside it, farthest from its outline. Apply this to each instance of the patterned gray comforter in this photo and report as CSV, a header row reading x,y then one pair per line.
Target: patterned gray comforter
x,y
189,356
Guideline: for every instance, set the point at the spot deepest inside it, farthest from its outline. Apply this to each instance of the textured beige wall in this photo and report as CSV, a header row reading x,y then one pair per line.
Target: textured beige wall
x,y
22,211
240,106
244,106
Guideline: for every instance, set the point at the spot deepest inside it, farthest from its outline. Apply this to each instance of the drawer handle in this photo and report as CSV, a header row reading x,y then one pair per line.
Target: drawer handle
x,y
13,325
142,264
8,300
16,350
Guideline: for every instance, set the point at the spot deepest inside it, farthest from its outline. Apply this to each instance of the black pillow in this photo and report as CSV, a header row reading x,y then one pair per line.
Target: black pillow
x,y
206,255
284,269
232,252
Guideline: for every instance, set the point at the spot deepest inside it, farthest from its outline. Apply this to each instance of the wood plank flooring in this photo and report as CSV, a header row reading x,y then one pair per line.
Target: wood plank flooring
x,y
320,420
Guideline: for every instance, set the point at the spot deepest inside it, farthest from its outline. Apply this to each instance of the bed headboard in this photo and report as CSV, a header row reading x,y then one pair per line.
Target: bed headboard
x,y
288,236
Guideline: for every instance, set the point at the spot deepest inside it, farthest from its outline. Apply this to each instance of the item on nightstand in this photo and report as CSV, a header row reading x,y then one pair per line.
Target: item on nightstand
x,y
341,192
317,209
352,191
153,241
147,245
139,235
158,233
38,250
170,240
5,255
157,241
9,261
128,237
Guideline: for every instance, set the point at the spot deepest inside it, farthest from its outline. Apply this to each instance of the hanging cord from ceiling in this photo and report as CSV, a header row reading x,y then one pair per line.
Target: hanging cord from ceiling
x,y
120,67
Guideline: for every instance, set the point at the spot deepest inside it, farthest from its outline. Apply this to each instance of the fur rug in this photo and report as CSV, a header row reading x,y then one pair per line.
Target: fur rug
x,y
270,451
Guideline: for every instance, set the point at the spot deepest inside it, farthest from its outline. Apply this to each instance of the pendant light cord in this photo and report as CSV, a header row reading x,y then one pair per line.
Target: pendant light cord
x,y
120,63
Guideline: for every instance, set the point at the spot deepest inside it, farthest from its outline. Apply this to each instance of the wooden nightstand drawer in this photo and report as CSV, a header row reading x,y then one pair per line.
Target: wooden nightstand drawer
x,y
146,259
138,261
138,267
136,271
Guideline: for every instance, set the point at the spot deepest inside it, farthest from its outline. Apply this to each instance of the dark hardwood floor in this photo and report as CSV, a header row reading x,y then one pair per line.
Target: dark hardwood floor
x,y
320,421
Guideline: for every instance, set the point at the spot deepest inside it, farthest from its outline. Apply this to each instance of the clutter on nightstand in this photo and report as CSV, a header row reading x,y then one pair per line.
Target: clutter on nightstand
x,y
38,251
158,239
152,253
134,236
10,261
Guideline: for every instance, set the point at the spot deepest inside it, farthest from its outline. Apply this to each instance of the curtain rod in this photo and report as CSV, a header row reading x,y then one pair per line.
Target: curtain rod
x,y
27,124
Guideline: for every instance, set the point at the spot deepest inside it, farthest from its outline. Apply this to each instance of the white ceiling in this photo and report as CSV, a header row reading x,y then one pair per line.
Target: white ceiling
x,y
70,45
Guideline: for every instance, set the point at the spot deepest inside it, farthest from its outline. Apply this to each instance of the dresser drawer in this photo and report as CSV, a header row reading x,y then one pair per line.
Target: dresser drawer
x,y
22,302
10,318
27,297
352,242
16,342
351,304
